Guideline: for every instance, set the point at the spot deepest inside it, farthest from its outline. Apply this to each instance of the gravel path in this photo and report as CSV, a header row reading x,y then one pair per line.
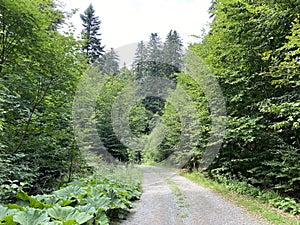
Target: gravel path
x,y
170,199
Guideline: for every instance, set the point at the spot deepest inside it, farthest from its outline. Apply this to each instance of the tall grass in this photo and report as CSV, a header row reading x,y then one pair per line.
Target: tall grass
x,y
124,173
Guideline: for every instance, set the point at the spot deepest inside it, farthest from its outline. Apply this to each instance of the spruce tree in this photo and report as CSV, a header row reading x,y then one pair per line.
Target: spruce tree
x,y
172,54
154,48
109,63
153,67
139,63
92,46
153,56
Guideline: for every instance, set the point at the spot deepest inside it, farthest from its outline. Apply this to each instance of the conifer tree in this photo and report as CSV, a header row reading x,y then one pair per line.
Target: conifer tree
x,y
153,56
154,48
140,59
109,63
90,33
172,54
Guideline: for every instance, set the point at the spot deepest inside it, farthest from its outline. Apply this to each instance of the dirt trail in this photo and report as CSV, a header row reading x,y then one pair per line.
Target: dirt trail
x,y
169,199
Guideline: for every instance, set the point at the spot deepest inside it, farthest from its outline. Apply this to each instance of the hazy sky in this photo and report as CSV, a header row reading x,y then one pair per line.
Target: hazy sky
x,y
127,21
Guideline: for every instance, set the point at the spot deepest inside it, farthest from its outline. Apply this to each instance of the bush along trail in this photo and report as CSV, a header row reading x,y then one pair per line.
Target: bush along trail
x,y
91,200
251,50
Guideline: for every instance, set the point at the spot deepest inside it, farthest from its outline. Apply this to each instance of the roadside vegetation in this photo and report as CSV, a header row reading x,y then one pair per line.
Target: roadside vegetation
x,y
252,49
261,205
94,199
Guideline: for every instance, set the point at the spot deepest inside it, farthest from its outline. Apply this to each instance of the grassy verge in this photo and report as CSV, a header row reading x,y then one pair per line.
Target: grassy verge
x,y
119,172
260,210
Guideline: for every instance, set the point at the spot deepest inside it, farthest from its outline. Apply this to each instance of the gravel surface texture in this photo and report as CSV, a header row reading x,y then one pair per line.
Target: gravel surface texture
x,y
170,199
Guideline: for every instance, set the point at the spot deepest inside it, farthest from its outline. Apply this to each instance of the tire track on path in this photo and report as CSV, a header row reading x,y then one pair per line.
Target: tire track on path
x,y
187,204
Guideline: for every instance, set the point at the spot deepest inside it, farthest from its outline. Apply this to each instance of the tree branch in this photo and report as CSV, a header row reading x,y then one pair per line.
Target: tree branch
x,y
29,120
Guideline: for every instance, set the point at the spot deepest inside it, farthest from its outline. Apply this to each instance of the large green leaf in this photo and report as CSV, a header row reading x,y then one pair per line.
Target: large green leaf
x,y
33,202
102,203
71,192
70,222
118,204
9,220
15,206
88,208
4,211
31,216
101,218
6,215
48,199
55,223
69,213
115,201
66,202
97,190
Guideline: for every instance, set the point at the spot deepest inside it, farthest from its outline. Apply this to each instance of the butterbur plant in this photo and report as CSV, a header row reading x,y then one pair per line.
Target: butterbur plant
x,y
92,200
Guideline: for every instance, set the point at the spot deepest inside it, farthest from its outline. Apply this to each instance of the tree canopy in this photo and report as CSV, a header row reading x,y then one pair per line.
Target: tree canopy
x,y
40,68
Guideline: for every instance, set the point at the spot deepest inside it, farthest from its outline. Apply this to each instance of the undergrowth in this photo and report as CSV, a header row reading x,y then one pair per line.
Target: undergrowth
x,y
252,198
270,197
103,196
91,200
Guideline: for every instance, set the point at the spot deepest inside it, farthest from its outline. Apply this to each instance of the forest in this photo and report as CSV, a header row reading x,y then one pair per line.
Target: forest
x,y
252,51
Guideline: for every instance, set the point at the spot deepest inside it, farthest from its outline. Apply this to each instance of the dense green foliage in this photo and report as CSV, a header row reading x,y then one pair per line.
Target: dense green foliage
x,y
91,200
172,120
253,49
105,100
39,70
270,197
150,60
